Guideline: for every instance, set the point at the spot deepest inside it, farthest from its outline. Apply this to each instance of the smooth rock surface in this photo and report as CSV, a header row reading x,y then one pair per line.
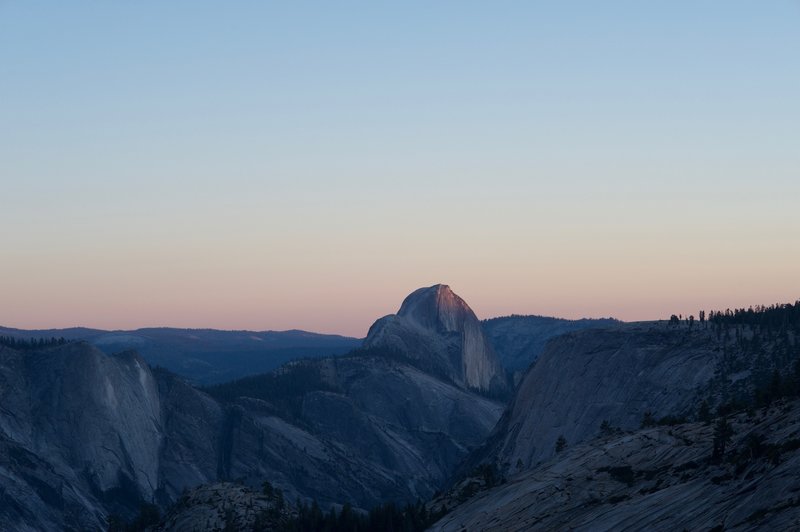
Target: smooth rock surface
x,y
586,377
437,331
654,479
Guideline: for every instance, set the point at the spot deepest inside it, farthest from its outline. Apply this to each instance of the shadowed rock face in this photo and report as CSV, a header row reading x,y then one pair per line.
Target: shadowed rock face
x,y
379,430
437,331
84,434
519,340
587,377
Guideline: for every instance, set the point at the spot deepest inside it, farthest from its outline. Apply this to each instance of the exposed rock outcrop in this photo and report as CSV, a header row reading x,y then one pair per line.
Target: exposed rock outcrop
x,y
588,377
92,422
437,331
224,506
654,479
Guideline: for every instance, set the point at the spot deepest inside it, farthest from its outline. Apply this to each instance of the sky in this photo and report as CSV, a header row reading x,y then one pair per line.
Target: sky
x,y
276,165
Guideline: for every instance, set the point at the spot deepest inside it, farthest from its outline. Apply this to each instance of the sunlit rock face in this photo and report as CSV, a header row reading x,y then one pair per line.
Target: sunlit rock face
x,y
437,331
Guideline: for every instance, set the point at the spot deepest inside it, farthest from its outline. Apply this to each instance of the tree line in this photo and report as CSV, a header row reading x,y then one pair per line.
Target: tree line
x,y
283,388
386,517
779,316
22,344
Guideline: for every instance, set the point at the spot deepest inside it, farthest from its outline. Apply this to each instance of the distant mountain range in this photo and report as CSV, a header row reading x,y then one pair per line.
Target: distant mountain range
x,y
205,356
212,356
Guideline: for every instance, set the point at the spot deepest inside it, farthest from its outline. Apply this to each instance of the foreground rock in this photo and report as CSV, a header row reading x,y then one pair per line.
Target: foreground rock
x,y
653,479
224,506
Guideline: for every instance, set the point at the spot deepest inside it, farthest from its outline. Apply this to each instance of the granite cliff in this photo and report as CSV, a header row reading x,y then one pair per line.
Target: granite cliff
x,y
519,340
437,331
86,434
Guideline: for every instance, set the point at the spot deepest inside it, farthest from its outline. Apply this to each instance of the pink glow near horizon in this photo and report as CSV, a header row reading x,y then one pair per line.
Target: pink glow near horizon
x,y
350,309
307,168
330,271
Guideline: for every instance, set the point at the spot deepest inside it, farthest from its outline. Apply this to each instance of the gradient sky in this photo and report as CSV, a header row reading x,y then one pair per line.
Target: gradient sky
x,y
274,165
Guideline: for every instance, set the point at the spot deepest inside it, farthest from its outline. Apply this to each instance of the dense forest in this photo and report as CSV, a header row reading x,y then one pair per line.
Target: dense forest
x,y
759,356
775,317
22,344
383,518
301,517
283,388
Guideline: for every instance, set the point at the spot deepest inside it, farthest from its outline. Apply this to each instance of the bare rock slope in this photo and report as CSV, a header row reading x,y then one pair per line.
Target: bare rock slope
x,y
655,479
437,331
224,506
87,434
588,377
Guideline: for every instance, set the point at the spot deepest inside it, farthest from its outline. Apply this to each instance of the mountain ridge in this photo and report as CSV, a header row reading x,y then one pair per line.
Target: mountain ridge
x,y
205,356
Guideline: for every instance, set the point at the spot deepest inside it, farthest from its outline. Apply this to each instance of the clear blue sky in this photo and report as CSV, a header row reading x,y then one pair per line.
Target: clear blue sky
x,y
292,164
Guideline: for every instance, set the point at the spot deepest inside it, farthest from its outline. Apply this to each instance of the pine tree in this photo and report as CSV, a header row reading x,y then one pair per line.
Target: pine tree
x,y
561,443
704,412
723,434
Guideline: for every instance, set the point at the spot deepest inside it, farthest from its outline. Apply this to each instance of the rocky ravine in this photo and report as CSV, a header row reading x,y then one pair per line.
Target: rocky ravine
x,y
653,479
